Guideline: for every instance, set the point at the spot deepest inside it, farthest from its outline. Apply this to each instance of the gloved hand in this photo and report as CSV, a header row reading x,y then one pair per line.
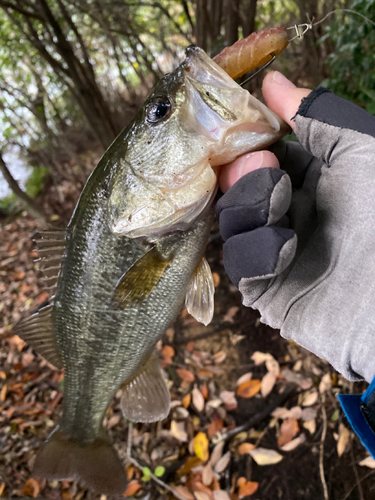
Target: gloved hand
x,y
300,242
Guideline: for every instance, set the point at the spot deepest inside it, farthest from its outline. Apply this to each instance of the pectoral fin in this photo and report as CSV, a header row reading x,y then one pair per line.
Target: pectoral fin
x,y
199,299
37,330
139,281
146,398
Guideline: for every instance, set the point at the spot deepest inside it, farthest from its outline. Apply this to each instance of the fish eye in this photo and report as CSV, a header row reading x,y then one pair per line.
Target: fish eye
x,y
159,109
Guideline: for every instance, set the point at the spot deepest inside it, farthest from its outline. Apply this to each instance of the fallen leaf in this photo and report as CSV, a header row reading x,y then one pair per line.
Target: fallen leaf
x,y
215,403
264,456
288,429
31,488
66,495
310,425
267,384
368,462
229,317
309,414
216,278
185,375
222,464
190,463
244,378
214,427
247,489
229,400
309,398
198,399
217,453
221,495
273,366
244,448
249,389
178,431
200,446
207,474
2,488
168,352
186,400
199,495
3,393
219,357
132,488
325,383
261,357
184,492
344,436
294,443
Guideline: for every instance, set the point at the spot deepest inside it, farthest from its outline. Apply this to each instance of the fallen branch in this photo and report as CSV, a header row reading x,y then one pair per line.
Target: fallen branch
x,y
321,450
259,417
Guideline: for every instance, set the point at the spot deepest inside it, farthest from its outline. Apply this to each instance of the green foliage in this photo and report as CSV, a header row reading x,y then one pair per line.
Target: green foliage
x,y
146,474
36,181
352,61
159,471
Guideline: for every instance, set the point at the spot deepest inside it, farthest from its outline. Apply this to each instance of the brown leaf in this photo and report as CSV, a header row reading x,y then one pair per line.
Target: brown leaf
x,y
201,446
31,488
204,390
219,357
216,278
221,495
3,393
190,463
42,297
132,488
292,445
199,495
66,495
215,427
229,400
249,389
244,378
229,317
288,429
2,488
244,448
203,373
207,474
268,382
247,489
217,453
168,352
222,464
185,375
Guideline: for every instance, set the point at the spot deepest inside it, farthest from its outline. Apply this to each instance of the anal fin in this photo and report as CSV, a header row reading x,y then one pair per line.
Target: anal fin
x,y
146,397
37,330
199,299
139,281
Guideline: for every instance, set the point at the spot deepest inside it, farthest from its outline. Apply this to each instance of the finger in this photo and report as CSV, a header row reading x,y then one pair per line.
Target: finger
x,y
259,198
259,254
282,96
244,164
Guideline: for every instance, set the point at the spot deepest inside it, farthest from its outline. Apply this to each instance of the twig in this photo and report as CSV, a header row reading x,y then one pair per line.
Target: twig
x,y
139,466
371,473
321,450
358,482
259,417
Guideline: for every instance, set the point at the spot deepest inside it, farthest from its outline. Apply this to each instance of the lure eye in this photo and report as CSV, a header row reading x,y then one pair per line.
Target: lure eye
x,y
159,109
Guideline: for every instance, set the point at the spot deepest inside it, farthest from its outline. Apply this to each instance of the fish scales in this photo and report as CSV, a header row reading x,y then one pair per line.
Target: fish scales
x,y
132,251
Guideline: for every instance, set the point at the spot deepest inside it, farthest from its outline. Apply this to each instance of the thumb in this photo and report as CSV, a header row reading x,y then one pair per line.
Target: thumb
x,y
282,96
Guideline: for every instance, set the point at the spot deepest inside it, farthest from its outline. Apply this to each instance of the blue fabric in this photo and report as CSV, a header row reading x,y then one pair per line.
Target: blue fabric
x,y
354,406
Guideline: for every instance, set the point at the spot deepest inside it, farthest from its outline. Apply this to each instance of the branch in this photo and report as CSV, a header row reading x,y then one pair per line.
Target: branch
x,y
5,4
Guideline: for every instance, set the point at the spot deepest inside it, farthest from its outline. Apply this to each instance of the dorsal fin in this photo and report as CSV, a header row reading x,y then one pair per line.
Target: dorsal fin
x,y
51,251
199,299
37,330
139,281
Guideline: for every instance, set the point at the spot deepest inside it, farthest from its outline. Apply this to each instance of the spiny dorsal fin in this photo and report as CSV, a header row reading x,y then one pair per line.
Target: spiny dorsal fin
x,y
51,251
146,397
139,281
199,299
37,330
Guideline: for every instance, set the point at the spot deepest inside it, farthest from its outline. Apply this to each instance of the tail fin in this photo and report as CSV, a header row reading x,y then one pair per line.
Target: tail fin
x,y
96,464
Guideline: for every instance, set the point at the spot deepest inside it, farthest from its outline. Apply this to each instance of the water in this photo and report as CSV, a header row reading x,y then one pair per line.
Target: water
x,y
19,169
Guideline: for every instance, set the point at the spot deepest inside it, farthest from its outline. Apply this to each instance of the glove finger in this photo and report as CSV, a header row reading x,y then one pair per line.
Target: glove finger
x,y
259,198
259,254
295,160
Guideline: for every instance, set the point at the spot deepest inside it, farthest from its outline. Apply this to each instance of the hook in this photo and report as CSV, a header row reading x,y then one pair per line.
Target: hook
x,y
260,69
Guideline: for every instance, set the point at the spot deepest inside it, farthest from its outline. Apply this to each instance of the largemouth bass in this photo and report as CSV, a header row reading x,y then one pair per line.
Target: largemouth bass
x,y
130,256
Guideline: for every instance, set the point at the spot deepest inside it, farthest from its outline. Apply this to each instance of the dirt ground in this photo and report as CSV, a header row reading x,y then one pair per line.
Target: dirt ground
x,y
203,366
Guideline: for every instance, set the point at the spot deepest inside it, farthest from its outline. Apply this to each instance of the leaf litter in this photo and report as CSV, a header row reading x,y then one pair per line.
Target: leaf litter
x,y
215,389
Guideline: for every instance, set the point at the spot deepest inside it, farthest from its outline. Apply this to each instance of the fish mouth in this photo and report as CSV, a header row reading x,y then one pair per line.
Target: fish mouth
x,y
229,117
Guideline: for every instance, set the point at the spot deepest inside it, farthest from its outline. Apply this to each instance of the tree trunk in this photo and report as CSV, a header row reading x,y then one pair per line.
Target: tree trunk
x,y
232,21
248,12
25,199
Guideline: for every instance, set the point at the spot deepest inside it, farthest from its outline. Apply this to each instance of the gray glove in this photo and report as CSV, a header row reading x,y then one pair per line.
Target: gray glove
x,y
300,246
